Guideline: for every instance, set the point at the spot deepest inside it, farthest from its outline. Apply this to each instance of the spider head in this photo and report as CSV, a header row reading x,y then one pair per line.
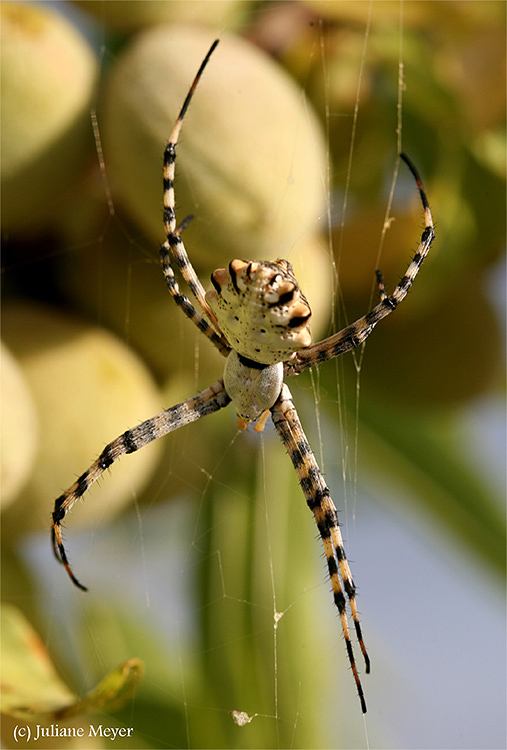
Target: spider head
x,y
260,309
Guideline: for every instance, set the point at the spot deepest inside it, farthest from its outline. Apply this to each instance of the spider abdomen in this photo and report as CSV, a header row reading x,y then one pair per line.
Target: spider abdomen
x,y
260,309
252,388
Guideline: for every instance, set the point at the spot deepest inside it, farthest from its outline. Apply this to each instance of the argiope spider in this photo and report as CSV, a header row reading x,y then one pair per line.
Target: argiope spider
x,y
257,317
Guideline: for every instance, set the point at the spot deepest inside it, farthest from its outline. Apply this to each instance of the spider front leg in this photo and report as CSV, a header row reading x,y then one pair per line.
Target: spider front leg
x,y
173,244
318,499
353,335
208,401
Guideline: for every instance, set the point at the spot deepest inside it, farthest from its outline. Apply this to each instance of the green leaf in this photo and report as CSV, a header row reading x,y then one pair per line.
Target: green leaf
x,y
31,688
425,454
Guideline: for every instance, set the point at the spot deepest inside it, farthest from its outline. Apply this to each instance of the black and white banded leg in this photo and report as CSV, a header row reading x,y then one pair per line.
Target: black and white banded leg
x,y
318,499
174,243
356,333
208,401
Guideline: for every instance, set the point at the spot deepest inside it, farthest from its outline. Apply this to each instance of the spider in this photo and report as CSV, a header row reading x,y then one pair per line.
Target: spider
x,y
258,318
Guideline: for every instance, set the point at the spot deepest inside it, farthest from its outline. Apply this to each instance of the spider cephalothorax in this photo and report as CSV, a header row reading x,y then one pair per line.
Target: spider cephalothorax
x,y
257,317
260,309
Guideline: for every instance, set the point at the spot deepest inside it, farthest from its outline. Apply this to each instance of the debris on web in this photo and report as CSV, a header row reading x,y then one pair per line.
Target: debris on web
x,y
241,718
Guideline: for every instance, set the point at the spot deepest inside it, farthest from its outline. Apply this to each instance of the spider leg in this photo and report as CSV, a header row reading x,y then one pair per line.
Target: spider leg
x,y
317,496
208,401
173,243
355,333
184,304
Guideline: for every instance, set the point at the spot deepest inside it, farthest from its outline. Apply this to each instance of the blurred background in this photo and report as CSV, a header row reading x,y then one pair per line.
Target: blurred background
x,y
208,592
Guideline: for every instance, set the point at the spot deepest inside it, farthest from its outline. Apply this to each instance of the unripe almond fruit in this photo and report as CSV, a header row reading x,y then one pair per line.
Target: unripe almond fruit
x,y
47,81
129,15
19,428
88,388
251,159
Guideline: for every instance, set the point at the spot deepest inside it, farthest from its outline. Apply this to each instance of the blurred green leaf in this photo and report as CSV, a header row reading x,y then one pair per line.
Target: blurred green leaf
x,y
31,687
425,454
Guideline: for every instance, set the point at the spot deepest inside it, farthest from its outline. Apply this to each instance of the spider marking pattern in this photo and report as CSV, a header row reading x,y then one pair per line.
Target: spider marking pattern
x,y
257,317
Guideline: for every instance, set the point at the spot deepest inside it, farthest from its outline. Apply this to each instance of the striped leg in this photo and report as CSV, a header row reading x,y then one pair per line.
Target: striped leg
x,y
317,496
174,244
208,401
354,334
184,303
